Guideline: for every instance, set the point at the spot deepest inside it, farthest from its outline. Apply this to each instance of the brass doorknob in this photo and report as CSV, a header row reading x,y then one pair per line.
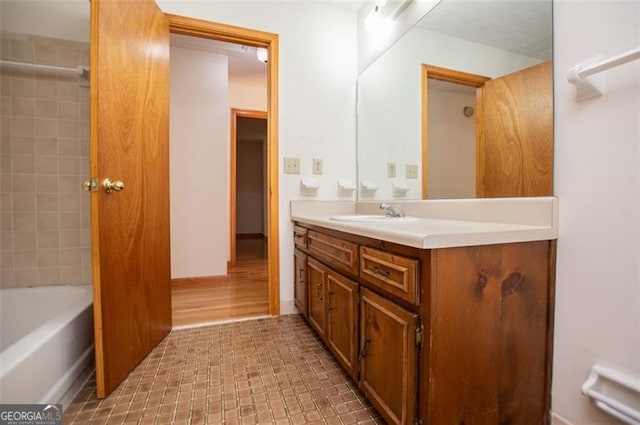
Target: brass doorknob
x,y
90,185
112,185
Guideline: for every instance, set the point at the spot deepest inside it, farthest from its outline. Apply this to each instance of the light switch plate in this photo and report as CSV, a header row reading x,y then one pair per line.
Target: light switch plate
x,y
317,166
391,169
412,171
292,165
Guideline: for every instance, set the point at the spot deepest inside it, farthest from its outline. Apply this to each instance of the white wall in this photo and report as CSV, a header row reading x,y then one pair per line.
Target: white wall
x,y
248,91
316,96
199,163
452,145
597,179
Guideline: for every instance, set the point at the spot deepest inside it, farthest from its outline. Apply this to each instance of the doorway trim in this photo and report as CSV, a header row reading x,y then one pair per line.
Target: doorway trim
x,y
235,114
205,29
458,77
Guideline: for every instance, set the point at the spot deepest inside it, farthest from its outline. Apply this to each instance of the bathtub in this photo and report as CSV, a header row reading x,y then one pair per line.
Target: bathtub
x,y
46,341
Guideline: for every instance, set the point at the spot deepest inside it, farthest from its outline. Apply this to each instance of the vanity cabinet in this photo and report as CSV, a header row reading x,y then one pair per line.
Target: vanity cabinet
x,y
317,295
389,339
342,316
437,336
300,290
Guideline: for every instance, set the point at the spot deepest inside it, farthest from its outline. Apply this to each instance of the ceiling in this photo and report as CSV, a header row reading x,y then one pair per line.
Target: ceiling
x,y
518,26
515,25
242,59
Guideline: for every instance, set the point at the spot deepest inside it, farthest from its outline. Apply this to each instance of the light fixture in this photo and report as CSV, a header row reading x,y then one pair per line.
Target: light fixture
x,y
262,54
383,13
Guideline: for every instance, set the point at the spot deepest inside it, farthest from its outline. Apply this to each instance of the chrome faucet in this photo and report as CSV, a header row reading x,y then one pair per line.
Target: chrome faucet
x,y
391,210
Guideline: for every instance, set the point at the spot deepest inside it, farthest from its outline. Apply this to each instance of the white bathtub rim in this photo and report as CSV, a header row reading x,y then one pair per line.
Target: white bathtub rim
x,y
11,357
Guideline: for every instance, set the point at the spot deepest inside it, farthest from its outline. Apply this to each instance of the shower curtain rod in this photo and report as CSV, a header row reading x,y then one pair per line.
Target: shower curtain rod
x,y
80,70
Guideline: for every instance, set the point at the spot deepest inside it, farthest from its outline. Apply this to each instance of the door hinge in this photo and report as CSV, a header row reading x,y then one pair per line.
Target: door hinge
x,y
419,334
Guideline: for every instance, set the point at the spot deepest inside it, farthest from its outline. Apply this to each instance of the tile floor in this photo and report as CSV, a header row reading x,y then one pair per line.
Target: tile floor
x,y
267,371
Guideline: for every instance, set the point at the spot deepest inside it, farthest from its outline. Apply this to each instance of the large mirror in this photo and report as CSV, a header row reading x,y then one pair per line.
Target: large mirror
x,y
461,106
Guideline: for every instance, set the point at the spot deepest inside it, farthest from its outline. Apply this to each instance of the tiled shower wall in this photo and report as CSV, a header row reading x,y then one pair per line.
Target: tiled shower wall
x,y
44,137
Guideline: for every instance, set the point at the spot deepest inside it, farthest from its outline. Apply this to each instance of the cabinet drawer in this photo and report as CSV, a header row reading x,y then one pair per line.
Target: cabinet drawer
x,y
336,252
300,237
391,273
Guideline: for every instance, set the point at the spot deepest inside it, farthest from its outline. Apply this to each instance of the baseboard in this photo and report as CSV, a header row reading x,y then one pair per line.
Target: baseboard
x,y
288,307
198,280
559,420
218,322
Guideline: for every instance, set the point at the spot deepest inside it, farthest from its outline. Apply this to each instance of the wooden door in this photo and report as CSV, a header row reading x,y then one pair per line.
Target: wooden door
x,y
516,147
129,142
317,274
300,290
388,357
341,319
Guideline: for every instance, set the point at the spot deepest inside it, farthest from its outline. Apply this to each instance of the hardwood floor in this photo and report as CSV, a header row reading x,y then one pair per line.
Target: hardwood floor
x,y
243,293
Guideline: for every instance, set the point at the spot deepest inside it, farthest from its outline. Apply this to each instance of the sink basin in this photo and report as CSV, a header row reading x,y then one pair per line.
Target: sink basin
x,y
372,218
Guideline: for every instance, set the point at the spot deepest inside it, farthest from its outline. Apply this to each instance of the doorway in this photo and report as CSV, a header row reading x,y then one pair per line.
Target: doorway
x,y
231,286
247,186
451,132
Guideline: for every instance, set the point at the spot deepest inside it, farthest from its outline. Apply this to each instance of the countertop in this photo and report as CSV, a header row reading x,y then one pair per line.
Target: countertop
x,y
472,222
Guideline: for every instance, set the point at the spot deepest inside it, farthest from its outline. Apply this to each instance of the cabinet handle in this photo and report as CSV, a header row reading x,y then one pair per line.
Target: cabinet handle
x,y
319,286
301,271
363,350
298,235
377,270
329,308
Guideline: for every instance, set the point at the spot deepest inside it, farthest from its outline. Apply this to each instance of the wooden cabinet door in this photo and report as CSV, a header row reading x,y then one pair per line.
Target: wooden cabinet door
x,y
388,357
300,290
317,274
341,319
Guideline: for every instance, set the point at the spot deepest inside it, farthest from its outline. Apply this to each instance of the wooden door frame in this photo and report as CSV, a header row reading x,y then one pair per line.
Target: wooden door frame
x,y
215,31
233,164
458,77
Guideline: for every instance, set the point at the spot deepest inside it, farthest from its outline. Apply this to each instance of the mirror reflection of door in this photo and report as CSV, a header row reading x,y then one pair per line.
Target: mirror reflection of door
x,y
451,136
512,145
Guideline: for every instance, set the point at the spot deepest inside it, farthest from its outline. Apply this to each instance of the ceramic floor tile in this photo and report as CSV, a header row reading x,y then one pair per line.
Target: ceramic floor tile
x,y
267,371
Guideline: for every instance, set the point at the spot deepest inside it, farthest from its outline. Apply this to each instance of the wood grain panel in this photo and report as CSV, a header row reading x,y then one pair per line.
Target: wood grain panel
x,y
388,357
300,289
341,254
300,237
518,133
130,130
488,333
342,319
391,273
316,298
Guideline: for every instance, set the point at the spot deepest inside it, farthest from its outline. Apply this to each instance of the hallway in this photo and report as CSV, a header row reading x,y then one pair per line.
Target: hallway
x,y
243,293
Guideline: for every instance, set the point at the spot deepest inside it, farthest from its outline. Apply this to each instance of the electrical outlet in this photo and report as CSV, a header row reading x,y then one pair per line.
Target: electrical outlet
x,y
391,169
412,171
317,166
292,165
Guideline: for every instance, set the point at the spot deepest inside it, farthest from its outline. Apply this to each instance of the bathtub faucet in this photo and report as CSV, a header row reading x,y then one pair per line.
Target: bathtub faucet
x,y
391,210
